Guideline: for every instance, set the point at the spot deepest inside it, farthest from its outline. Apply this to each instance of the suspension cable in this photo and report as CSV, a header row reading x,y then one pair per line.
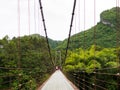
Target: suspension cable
x,y
29,16
79,16
42,14
94,42
84,45
19,47
35,15
68,41
118,42
19,34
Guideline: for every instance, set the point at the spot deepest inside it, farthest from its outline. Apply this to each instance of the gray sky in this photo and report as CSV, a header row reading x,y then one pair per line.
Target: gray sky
x,y
57,15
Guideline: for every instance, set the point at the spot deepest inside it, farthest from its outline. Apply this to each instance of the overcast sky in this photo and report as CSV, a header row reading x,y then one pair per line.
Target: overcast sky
x,y
57,15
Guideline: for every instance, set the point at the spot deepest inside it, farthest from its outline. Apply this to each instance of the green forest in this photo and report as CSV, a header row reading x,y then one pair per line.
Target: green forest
x,y
105,32
91,63
94,54
25,62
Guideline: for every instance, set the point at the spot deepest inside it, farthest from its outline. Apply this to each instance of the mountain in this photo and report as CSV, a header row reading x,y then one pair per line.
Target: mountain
x,y
53,43
30,54
103,34
106,33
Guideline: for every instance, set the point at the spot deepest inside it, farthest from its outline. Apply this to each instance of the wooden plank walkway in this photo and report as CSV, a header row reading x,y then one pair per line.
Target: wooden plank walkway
x,y
58,82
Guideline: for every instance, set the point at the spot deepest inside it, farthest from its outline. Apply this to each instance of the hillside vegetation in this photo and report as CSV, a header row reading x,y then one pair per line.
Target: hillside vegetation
x,y
95,52
24,62
104,36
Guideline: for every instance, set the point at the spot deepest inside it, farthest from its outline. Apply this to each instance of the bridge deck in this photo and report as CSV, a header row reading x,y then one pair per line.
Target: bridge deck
x,y
58,82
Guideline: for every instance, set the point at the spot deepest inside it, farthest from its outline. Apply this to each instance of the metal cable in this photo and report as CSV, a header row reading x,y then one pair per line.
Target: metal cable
x,y
101,87
103,81
42,14
19,64
94,40
83,83
106,82
118,41
68,41
84,45
86,85
7,76
29,16
3,83
35,15
109,74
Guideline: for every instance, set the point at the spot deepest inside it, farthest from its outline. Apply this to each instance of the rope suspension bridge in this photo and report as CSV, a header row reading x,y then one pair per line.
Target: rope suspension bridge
x,y
80,79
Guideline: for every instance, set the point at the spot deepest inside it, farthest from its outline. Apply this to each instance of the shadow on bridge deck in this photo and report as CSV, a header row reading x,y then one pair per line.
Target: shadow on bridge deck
x,y
58,81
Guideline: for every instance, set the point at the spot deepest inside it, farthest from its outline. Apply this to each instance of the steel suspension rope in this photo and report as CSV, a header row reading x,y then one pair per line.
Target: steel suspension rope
x,y
29,16
43,19
75,31
35,15
38,14
19,50
94,43
84,45
79,25
70,30
68,41
19,34
118,42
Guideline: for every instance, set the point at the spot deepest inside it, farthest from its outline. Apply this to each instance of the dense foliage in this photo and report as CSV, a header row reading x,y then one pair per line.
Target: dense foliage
x,y
93,55
24,62
53,43
105,32
109,16
105,37
90,59
96,59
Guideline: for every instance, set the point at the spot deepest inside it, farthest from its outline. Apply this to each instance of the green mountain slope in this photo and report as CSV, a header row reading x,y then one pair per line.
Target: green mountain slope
x,y
104,36
30,53
53,43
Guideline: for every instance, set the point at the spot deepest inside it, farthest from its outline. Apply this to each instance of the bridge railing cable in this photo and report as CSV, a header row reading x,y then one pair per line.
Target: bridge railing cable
x,y
86,80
